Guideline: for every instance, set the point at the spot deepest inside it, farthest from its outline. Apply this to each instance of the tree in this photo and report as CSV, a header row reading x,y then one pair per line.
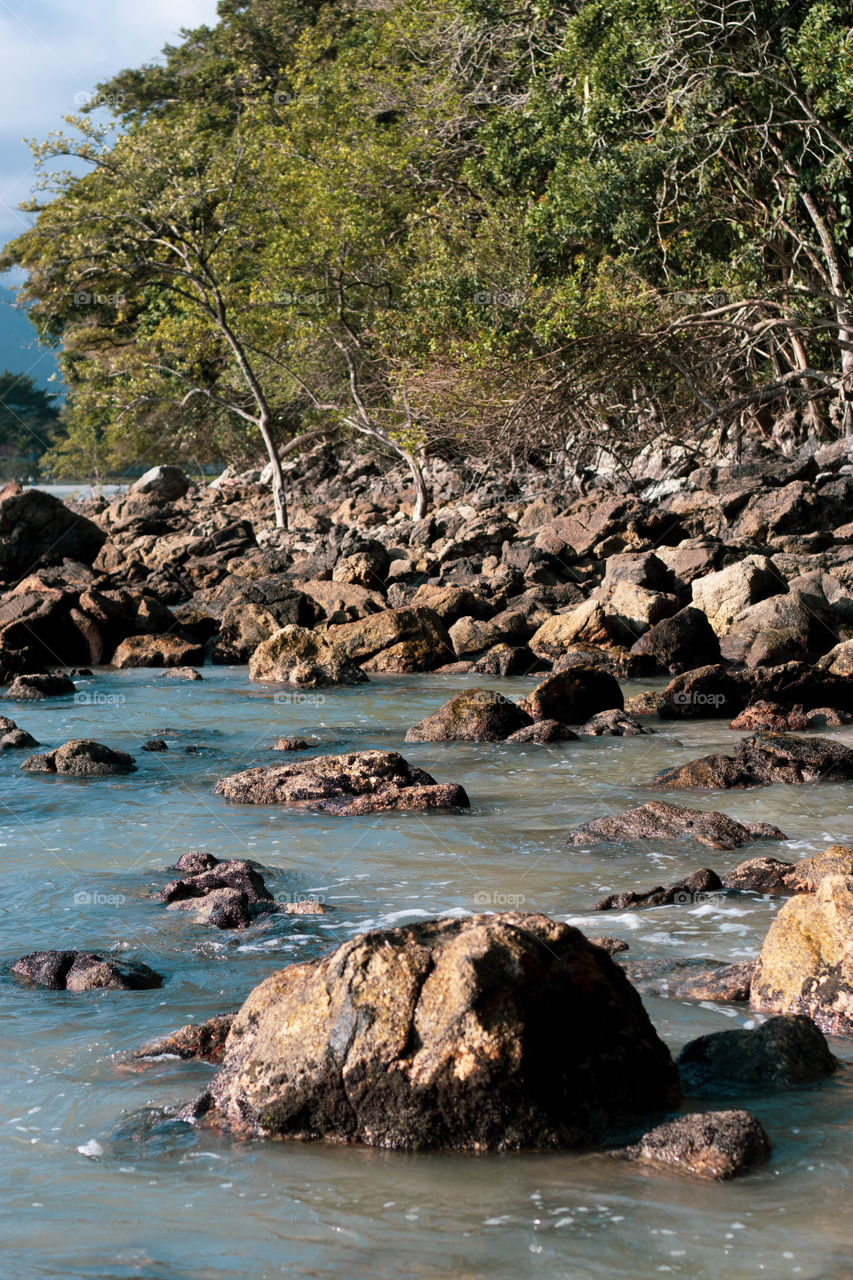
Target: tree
x,y
28,416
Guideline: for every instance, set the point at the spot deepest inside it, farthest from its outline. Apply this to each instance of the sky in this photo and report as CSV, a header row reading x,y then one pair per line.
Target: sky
x,y
54,53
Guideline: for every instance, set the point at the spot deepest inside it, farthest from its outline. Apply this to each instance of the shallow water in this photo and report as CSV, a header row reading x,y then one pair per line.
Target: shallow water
x,y
99,1181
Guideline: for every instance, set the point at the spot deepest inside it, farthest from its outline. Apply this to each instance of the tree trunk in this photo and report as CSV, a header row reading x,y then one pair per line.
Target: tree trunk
x,y
421,491
277,476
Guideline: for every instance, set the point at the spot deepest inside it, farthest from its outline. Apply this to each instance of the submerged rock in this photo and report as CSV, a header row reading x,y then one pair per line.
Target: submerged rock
x,y
806,961
199,1041
544,731
693,888
659,820
785,1051
229,894
613,724
759,875
475,715
30,688
490,1032
760,761
692,979
84,971
356,783
81,758
574,695
706,1144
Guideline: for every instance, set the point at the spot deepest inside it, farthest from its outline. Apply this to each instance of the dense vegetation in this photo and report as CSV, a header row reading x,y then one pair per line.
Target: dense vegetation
x,y
461,226
29,419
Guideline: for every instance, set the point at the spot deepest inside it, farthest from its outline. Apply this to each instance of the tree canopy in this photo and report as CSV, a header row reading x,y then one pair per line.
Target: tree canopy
x,y
460,226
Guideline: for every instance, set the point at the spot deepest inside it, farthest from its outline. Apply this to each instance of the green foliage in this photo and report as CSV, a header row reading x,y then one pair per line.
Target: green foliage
x,y
28,418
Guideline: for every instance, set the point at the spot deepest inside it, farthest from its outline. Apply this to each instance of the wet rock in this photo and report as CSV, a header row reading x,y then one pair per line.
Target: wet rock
x,y
490,1032
291,744
784,1052
703,692
759,875
680,643
36,528
643,704
713,980
805,876
806,961
304,907
303,658
12,738
544,731
30,688
723,595
573,696
155,744
194,861
771,715
613,946
694,888
356,783
81,758
716,1145
418,638
613,724
84,971
183,673
199,1041
164,482
228,894
475,715
157,651
798,684
762,760
660,820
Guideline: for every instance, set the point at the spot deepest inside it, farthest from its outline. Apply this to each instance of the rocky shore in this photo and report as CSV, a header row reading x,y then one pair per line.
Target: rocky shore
x,y
733,583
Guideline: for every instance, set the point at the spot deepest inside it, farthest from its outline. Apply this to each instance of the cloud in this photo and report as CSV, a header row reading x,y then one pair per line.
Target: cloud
x,y
54,52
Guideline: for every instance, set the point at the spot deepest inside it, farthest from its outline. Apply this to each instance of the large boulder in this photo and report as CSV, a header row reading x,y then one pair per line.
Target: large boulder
x,y
680,643
166,483
475,715
574,695
416,639
356,783
659,820
81,758
32,688
492,1032
760,761
806,961
705,1144
296,656
587,623
84,971
36,528
723,595
157,651
785,1051
805,876
780,629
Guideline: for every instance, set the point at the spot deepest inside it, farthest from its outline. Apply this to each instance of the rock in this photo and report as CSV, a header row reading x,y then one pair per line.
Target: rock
x,y
490,1032
364,568
695,888
613,946
256,610
450,603
304,658
475,715
195,860
838,661
84,971
421,630
586,623
721,596
509,660
781,629
643,569
36,528
199,1041
359,782
617,661
806,876
472,635
762,760
544,731
771,715
806,961
339,602
797,683
155,744
712,980
643,704
30,688
759,875
15,739
291,744
638,608
228,894
164,482
573,696
680,643
613,724
304,907
81,758
716,1145
157,651
183,673
784,1052
703,692
660,820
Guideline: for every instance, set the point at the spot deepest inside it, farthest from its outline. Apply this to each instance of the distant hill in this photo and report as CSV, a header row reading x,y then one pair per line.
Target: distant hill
x,y
19,348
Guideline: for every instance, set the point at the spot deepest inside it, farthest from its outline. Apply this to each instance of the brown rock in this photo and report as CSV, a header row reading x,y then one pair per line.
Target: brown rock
x,y
716,1145
81,758
303,658
157,651
475,715
573,696
660,820
784,1052
199,1041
